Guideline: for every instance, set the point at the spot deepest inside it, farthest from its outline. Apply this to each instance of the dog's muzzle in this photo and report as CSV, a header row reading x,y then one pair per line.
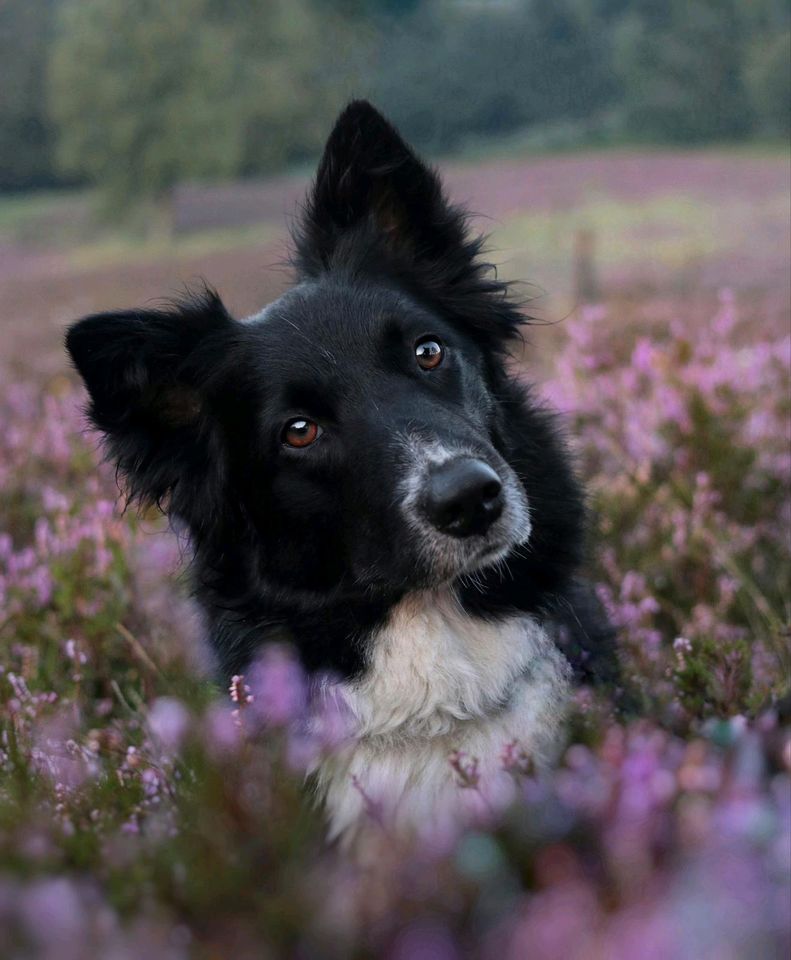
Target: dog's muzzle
x,y
463,497
465,508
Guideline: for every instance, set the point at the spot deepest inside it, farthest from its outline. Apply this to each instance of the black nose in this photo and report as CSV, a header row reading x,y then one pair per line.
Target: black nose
x,y
463,497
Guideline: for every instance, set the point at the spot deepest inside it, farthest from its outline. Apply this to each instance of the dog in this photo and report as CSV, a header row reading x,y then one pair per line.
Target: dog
x,y
363,476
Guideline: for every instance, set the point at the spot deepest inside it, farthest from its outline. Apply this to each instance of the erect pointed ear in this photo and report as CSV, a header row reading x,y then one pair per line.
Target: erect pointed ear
x,y
153,377
375,206
369,177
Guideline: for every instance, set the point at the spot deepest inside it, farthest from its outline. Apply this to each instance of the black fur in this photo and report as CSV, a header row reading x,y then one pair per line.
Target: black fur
x,y
311,545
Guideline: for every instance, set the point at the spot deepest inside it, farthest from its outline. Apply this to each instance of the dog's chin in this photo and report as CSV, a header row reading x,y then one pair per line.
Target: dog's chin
x,y
472,560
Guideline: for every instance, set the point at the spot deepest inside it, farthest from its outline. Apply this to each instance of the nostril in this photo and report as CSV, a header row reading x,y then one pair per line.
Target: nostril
x,y
452,514
463,497
491,491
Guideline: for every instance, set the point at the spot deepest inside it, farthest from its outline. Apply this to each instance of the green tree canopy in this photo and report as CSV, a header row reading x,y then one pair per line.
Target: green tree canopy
x,y
146,93
26,141
143,94
680,69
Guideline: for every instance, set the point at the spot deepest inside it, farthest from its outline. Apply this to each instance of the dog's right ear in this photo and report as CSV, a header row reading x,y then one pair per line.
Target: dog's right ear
x,y
153,377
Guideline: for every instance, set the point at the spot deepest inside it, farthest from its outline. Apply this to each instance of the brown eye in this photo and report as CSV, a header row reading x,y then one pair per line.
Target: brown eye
x,y
300,432
429,353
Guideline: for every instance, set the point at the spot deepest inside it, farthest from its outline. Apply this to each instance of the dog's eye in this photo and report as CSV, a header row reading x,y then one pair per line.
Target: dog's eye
x,y
429,353
300,432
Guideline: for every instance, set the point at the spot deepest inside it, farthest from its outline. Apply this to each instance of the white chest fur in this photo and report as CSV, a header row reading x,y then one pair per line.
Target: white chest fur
x,y
438,681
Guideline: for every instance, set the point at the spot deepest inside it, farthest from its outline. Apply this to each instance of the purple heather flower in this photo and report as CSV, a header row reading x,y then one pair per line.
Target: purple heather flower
x,y
169,721
278,685
424,940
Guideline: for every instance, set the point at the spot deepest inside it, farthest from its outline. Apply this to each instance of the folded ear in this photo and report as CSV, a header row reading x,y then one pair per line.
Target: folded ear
x,y
153,378
374,205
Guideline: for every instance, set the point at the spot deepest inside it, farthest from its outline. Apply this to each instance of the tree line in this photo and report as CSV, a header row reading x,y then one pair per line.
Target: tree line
x,y
136,95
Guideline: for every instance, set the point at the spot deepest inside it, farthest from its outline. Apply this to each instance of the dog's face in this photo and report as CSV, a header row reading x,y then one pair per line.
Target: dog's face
x,y
368,458
351,438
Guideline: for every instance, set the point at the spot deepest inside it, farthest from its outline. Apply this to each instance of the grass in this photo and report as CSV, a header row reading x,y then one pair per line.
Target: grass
x,y
71,219
674,231
67,222
119,247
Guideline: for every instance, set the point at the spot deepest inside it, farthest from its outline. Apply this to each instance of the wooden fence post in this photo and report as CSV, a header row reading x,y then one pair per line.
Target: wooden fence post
x,y
586,288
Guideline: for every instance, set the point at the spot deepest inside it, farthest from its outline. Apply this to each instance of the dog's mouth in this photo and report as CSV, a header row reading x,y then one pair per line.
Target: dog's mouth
x,y
450,562
491,555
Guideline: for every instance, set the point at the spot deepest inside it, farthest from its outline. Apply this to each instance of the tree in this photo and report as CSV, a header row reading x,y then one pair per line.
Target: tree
x,y
26,141
680,69
767,65
768,79
147,93
455,71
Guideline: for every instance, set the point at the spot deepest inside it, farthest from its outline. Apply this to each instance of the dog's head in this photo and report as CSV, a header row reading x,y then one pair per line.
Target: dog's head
x,y
355,436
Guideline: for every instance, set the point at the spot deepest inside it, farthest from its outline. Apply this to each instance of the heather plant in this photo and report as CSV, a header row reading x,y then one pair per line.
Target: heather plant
x,y
143,811
686,431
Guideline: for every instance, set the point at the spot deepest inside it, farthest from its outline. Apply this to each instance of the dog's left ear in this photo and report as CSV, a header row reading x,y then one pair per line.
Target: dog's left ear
x,y
369,177
375,204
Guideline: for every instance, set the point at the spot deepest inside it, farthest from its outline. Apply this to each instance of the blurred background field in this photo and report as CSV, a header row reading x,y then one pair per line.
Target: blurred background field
x,y
629,161
142,148
661,222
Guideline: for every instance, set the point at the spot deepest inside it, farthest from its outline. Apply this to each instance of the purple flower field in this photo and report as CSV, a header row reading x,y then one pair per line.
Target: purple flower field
x,y
144,813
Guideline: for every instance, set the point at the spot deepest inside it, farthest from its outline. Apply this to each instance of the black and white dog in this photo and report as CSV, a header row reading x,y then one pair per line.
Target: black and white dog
x,y
361,477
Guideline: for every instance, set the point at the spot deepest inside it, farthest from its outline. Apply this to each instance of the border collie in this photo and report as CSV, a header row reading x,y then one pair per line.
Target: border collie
x,y
363,478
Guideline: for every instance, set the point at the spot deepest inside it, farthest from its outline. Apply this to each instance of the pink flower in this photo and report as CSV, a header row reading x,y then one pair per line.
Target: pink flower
x,y
169,721
465,767
278,686
424,940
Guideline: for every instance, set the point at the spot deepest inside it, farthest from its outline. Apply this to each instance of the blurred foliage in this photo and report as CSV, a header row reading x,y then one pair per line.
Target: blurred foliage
x,y
486,71
25,133
136,96
248,89
679,63
768,79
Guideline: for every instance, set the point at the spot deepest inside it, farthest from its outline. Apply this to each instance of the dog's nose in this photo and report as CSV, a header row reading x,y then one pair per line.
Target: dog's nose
x,y
463,497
